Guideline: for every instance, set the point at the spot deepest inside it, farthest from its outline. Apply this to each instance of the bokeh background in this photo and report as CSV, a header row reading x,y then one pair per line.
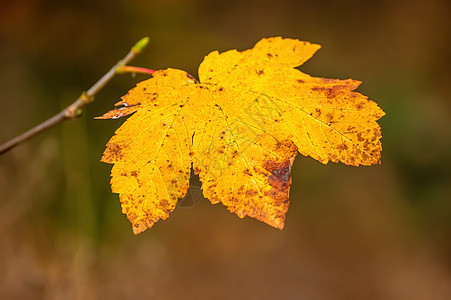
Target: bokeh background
x,y
381,232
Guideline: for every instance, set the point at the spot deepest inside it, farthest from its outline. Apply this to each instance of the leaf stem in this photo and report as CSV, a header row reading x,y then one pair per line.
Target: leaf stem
x,y
131,69
74,110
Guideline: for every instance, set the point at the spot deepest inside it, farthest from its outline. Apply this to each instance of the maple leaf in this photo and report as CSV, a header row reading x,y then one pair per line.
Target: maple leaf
x,y
240,127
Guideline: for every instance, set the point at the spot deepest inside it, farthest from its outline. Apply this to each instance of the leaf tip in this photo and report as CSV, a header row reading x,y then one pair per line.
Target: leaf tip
x,y
140,226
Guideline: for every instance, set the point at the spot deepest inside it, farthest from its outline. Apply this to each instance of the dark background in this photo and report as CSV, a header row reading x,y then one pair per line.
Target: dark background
x,y
381,232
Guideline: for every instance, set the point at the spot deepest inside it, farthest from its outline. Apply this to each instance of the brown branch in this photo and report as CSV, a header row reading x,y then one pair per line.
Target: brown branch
x,y
74,110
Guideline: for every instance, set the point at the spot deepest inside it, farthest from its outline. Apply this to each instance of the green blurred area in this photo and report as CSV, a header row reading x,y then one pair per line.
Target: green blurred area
x,y
381,232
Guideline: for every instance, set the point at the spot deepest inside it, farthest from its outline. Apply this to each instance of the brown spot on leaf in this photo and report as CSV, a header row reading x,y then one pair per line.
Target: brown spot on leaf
x,y
251,193
113,153
164,203
359,137
328,80
318,111
329,117
279,177
365,156
377,132
330,92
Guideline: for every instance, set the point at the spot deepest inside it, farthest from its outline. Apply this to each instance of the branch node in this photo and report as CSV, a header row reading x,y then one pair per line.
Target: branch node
x,y
86,99
71,112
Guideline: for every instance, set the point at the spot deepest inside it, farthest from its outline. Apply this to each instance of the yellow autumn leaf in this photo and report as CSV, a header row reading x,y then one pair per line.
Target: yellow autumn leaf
x,y
240,127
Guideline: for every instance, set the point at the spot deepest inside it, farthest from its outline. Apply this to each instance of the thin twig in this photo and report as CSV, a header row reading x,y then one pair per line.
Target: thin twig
x,y
74,110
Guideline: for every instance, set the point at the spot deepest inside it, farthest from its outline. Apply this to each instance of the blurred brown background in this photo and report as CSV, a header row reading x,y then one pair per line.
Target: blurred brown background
x,y
381,232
